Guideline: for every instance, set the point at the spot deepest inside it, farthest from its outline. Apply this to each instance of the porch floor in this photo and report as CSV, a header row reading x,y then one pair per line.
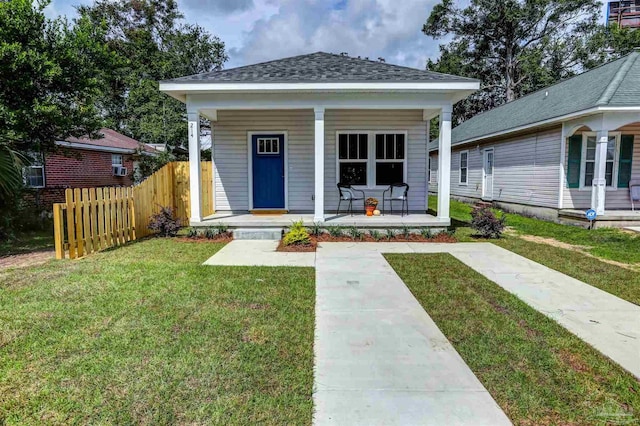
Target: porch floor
x,y
247,220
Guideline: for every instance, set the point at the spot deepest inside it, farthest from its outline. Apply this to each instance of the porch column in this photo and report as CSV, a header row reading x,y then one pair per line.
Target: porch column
x,y
318,215
444,163
194,166
598,191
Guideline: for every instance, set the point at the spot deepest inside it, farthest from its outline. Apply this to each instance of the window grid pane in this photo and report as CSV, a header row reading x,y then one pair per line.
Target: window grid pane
x,y
400,147
353,173
389,172
380,147
389,147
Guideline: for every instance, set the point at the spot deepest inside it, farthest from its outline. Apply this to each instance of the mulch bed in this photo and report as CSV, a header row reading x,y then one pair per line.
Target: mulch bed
x,y
326,238
226,237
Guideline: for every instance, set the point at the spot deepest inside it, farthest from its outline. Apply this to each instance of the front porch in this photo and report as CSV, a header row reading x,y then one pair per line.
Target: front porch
x,y
247,220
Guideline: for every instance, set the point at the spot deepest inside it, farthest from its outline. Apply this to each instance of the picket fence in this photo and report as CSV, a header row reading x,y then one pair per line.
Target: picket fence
x,y
92,219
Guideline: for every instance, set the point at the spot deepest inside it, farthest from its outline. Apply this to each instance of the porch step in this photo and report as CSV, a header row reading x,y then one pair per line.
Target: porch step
x,y
257,233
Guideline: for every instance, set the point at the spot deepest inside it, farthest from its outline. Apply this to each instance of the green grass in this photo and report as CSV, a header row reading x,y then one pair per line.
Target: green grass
x,y
537,371
619,281
28,241
607,243
146,335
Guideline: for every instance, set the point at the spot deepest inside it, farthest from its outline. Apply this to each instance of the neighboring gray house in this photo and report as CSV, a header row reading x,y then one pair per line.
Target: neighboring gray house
x,y
557,152
285,132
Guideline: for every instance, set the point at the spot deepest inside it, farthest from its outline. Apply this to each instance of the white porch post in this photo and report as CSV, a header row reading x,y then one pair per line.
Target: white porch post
x,y
318,215
599,187
194,166
444,163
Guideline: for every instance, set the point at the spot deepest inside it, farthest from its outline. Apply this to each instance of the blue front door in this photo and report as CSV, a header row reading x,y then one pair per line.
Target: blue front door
x,y
267,153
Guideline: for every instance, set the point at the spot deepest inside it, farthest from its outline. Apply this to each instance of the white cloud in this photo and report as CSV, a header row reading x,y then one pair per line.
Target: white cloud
x,y
258,30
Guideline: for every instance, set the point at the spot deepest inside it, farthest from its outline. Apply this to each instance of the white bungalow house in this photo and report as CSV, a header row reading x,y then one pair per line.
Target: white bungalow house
x,y
285,132
558,152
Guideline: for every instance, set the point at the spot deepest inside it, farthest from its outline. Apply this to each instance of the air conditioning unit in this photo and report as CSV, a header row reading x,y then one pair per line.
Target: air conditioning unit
x,y
119,171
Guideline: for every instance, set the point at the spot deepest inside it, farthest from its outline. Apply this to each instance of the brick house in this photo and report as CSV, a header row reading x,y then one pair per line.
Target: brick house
x,y
83,163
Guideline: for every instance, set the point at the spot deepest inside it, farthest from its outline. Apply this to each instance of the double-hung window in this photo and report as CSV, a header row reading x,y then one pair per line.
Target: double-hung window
x,y
34,176
371,159
589,158
463,170
353,158
390,158
116,160
34,173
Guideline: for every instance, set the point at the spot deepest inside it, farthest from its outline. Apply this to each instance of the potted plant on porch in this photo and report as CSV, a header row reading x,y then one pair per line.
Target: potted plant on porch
x,y
370,205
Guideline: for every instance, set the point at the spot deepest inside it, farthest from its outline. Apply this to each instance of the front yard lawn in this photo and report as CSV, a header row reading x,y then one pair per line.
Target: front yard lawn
x,y
607,258
146,335
538,372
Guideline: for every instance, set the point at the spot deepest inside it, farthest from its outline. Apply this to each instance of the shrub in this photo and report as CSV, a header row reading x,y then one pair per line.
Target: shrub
x,y
486,223
426,233
165,223
297,235
221,228
391,233
355,233
335,231
210,233
406,232
375,234
316,229
192,232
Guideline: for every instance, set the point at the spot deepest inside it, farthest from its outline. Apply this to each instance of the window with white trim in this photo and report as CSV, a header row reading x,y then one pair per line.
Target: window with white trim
x,y
34,176
589,145
463,169
116,160
353,158
390,158
268,146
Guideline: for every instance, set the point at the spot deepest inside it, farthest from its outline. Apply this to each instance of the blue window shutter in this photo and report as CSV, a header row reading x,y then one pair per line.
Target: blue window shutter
x,y
626,158
573,161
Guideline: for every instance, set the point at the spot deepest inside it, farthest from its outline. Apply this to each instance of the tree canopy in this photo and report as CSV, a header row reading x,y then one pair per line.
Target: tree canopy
x,y
512,46
52,76
152,43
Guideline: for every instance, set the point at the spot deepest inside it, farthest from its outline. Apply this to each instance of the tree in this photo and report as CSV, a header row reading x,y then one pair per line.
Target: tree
x,y
50,78
153,44
512,46
609,43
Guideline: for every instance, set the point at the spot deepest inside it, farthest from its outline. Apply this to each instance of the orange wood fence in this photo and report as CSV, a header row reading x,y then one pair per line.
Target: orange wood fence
x,y
92,219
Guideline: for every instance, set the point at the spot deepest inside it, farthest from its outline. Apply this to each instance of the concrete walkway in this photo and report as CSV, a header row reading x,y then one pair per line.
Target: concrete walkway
x,y
379,358
258,253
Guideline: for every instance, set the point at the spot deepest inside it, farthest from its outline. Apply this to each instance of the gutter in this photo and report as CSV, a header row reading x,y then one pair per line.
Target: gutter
x,y
88,147
554,120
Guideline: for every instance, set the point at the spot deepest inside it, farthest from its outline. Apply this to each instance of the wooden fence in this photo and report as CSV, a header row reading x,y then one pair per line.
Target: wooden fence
x,y
93,219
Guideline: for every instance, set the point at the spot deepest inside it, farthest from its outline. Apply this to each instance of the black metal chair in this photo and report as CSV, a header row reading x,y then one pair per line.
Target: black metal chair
x,y
396,192
349,194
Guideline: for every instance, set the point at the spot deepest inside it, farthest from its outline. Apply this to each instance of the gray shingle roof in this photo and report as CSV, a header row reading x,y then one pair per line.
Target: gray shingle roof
x,y
319,67
616,83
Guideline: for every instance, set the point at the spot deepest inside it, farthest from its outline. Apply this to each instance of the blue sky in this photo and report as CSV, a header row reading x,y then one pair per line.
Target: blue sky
x,y
259,30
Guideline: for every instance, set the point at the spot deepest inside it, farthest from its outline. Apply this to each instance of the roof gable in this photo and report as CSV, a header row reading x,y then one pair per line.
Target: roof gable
x,y
614,83
319,67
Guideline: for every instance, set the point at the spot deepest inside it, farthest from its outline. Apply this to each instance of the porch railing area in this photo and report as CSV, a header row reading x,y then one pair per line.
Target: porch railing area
x,y
92,219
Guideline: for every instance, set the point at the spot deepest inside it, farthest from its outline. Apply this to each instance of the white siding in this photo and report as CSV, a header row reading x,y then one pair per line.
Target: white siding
x,y
525,169
230,152
615,199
